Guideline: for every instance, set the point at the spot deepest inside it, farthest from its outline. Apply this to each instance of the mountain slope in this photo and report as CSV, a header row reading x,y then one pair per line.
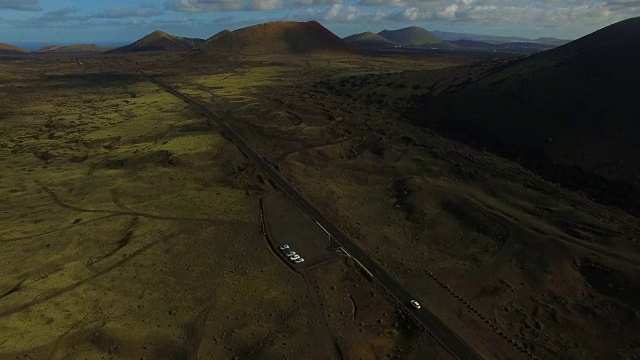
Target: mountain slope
x,y
570,113
160,41
551,41
6,49
277,38
368,40
410,36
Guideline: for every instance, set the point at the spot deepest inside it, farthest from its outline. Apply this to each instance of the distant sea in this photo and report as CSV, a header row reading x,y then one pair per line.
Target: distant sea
x,y
38,45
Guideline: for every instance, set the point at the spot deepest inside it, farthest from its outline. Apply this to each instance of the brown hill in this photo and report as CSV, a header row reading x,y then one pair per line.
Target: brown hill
x,y
277,38
410,36
160,41
6,49
570,113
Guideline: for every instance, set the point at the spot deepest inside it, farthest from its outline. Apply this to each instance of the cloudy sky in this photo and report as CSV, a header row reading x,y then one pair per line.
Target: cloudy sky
x,y
108,21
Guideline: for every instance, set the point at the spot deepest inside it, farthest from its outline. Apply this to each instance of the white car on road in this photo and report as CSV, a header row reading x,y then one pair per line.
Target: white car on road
x,y
415,304
294,257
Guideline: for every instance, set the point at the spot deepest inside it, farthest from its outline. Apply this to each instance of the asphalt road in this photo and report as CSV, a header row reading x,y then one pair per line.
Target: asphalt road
x,y
441,332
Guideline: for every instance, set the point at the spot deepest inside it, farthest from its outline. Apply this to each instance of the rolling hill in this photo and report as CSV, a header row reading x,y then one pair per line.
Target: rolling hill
x,y
159,41
6,49
368,40
410,36
49,48
495,39
473,44
551,41
508,46
277,38
80,48
570,113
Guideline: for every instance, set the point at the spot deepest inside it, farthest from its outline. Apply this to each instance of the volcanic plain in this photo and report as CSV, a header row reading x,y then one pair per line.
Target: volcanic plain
x,y
131,228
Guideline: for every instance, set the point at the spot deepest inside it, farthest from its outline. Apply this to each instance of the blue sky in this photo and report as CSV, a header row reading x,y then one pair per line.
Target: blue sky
x,y
109,21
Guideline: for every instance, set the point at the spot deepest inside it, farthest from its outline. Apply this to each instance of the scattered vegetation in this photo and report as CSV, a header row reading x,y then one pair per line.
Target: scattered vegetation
x,y
113,189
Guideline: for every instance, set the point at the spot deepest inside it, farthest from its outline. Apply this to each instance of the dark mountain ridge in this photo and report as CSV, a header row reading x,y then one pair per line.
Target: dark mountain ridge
x,y
570,113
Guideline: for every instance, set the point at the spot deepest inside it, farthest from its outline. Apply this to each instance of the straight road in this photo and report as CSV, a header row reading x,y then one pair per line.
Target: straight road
x,y
441,332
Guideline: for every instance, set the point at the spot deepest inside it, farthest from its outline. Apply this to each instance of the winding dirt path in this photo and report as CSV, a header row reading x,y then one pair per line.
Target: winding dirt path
x,y
50,294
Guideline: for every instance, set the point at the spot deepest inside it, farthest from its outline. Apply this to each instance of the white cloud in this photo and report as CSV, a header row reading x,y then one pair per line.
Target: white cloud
x,y
230,5
205,5
265,4
390,3
59,18
305,3
338,13
143,10
25,5
539,13
60,13
449,13
624,4
411,14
